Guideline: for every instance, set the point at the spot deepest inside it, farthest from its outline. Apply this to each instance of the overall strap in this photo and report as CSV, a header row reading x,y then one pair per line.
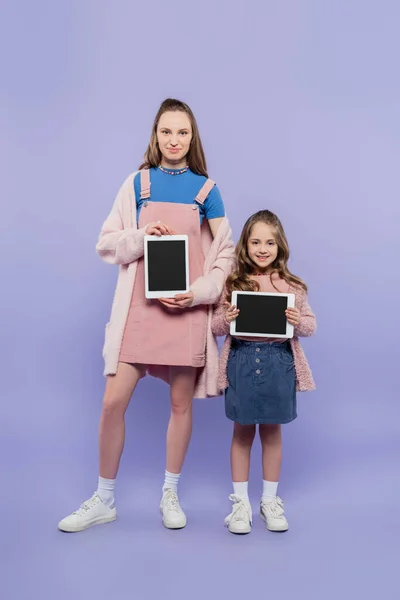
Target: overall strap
x,y
144,184
205,190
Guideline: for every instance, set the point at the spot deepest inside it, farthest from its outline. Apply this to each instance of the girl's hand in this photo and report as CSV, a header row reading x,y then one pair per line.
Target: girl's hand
x,y
293,316
158,229
178,301
231,313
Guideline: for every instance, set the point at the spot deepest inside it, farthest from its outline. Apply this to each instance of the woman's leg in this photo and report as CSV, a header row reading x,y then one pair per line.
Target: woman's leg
x,y
118,392
100,508
183,381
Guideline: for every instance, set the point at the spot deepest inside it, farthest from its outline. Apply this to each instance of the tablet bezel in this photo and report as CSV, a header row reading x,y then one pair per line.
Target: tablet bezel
x,y
169,293
289,328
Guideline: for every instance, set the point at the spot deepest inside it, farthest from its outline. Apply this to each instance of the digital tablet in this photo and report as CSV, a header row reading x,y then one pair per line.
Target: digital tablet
x,y
166,265
262,314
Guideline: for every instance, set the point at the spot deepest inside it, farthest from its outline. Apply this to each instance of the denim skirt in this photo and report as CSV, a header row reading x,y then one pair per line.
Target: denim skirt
x,y
261,383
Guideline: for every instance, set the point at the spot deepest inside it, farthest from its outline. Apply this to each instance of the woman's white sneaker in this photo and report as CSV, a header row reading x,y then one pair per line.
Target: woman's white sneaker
x,y
173,516
272,513
240,519
92,512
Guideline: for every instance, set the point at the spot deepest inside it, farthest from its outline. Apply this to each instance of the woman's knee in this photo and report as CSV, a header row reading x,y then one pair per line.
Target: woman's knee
x,y
181,404
182,389
117,395
114,405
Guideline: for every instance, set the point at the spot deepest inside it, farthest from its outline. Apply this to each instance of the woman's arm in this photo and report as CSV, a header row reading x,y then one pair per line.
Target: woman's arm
x,y
117,245
214,225
208,288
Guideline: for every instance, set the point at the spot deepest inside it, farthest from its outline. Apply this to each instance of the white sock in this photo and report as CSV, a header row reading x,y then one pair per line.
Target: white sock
x,y
240,488
105,490
270,490
171,481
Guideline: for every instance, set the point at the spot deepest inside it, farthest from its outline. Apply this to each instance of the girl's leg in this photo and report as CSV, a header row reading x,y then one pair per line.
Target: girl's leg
x,y
271,508
240,519
118,392
242,441
271,443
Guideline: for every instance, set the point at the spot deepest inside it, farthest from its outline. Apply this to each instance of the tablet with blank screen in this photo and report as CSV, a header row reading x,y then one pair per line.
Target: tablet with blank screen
x,y
166,265
262,314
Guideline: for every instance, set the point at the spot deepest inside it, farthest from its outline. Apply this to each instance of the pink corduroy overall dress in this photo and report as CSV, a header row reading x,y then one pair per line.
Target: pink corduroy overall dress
x,y
155,334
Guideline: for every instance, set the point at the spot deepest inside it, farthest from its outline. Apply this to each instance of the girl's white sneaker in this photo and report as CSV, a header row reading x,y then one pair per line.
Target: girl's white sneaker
x,y
272,513
240,519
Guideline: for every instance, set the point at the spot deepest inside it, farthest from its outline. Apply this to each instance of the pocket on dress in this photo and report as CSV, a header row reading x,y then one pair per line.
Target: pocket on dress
x,y
285,357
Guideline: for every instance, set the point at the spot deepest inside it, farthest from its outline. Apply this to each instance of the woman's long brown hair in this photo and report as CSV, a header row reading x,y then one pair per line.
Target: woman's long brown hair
x,y
240,279
195,157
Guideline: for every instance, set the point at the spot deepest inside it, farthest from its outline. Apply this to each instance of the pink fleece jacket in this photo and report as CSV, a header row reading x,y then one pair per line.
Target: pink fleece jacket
x,y
122,243
307,326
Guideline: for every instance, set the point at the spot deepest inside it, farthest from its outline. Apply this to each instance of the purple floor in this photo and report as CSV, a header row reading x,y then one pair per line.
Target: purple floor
x,y
341,502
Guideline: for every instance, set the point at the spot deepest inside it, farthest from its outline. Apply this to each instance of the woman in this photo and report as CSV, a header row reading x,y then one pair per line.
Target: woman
x,y
167,338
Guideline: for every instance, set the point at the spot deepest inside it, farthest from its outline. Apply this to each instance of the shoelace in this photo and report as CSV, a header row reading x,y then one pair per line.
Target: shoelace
x,y
87,505
240,511
171,501
274,508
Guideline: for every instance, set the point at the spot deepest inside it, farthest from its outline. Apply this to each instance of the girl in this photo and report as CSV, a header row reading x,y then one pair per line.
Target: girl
x,y
260,376
168,338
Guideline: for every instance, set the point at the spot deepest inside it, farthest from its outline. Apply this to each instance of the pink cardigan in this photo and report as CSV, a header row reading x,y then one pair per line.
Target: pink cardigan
x,y
307,326
121,243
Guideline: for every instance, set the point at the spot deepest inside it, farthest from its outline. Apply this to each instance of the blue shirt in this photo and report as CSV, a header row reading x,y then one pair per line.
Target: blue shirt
x,y
181,189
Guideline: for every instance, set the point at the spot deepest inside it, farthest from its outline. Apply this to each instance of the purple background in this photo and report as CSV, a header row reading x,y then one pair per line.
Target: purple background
x,y
298,107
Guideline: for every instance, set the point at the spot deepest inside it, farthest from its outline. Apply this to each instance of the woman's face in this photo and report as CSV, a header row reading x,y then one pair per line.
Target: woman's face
x,y
174,134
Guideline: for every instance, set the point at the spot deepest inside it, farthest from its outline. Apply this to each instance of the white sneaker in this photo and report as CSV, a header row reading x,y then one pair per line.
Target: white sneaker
x,y
173,516
92,512
273,514
241,518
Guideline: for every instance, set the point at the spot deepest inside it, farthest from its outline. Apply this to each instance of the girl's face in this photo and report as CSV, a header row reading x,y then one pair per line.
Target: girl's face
x,y
262,248
174,134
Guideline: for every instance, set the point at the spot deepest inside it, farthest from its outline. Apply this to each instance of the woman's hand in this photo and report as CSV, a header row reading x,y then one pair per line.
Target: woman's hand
x,y
231,313
178,301
158,228
293,316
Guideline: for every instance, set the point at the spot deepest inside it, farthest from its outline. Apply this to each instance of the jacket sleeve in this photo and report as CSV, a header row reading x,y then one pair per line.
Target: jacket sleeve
x,y
117,245
308,323
208,288
219,325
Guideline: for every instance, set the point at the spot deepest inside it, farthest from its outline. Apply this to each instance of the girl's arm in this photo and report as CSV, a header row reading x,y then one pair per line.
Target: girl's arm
x,y
308,323
116,245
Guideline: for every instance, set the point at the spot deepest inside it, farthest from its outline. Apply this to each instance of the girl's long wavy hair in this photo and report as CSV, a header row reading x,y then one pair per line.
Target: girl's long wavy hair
x,y
195,157
240,278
